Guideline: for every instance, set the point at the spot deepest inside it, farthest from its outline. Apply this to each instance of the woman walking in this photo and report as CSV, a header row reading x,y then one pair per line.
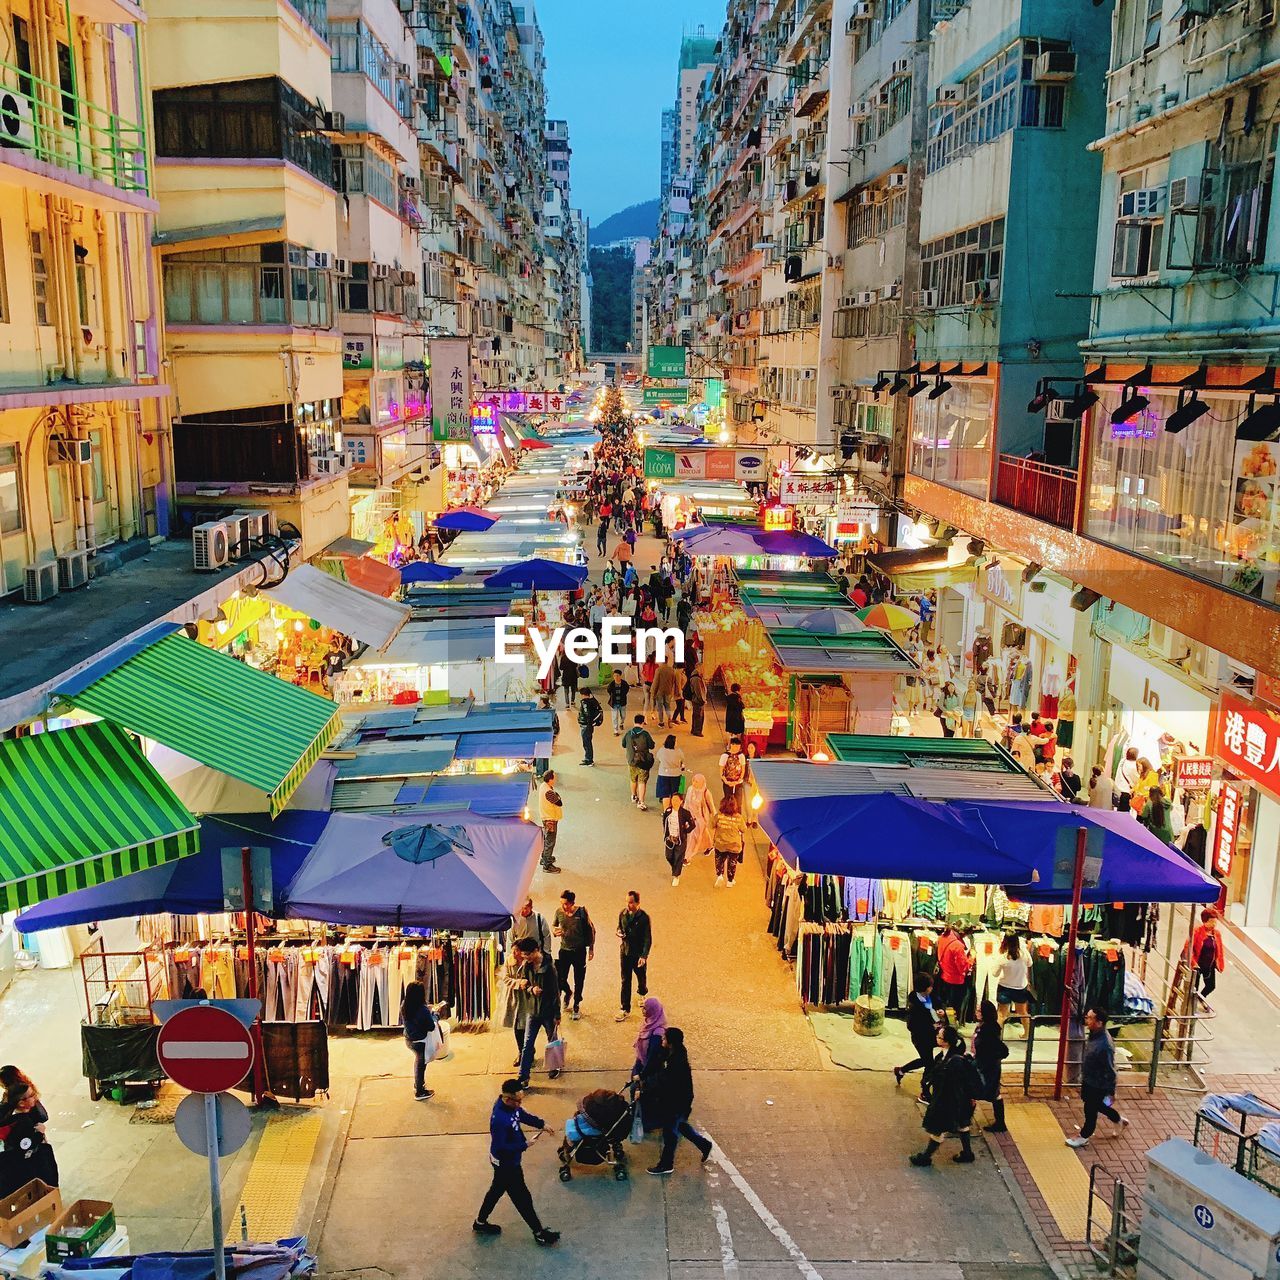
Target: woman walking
x,y
702,809
672,1084
922,1027
677,826
956,1086
735,712
1012,987
419,1025
670,761
27,1153
729,839
989,1051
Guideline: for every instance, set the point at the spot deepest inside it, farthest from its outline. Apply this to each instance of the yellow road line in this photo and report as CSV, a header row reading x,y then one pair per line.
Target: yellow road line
x,y
1055,1167
273,1191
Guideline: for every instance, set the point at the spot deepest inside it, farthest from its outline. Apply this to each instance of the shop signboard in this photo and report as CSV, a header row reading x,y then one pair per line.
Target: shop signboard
x,y
777,518
1266,688
1230,805
1001,582
390,354
362,453
450,388
666,362
1253,537
536,402
705,464
1193,773
659,464
1046,609
653,397
1155,693
819,490
1247,738
357,353
484,418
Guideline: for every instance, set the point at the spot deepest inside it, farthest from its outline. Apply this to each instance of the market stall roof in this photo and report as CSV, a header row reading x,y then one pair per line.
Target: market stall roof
x,y
467,519
537,574
190,885
362,571
371,619
431,605
210,707
933,753
792,542
716,540
805,651
920,570
429,644
496,796
505,746
206,790
390,759
426,571
446,870
79,807
784,579
792,779
801,599
884,835
1136,865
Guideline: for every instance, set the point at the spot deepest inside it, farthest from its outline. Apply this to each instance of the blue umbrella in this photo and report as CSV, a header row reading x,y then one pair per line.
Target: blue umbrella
x,y
466,519
791,542
427,571
537,574
832,622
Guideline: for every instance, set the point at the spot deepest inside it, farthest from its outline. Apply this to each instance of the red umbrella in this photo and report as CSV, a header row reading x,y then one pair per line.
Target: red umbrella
x,y
533,443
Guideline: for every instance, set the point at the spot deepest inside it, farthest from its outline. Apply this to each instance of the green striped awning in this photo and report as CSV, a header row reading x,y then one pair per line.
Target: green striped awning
x,y
242,722
79,807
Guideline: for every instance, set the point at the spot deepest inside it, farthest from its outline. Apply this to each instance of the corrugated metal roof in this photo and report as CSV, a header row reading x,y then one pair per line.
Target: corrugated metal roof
x,y
503,746
479,722
797,658
387,760
789,779
494,797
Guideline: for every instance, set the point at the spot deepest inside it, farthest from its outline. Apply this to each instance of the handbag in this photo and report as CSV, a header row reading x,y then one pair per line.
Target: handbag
x,y
553,1055
637,1124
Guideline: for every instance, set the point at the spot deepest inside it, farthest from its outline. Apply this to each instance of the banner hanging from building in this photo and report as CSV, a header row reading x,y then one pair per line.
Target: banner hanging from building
x,y
666,362
1248,739
652,397
450,388
706,464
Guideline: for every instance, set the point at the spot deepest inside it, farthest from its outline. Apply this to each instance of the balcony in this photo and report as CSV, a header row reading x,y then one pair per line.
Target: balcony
x,y
50,125
1037,489
245,293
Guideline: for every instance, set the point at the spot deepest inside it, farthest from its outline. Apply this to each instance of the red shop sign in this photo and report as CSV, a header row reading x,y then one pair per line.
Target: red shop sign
x,y
1230,803
1193,773
1248,739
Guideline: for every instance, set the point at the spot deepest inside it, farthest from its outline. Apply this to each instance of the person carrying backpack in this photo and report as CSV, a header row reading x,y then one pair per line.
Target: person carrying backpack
x,y
639,746
956,1086
590,715
733,771
728,839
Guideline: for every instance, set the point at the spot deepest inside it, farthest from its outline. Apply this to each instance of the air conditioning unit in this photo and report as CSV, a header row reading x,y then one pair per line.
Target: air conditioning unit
x,y
1205,664
867,197
408,182
341,267
1144,202
73,570
1059,411
864,298
17,121
925,299
1054,64
979,291
210,546
861,109
329,464
335,122
901,66
1185,194
1167,643
890,291
406,6
405,70
379,271
896,181
949,93
847,301
862,10
39,582
318,259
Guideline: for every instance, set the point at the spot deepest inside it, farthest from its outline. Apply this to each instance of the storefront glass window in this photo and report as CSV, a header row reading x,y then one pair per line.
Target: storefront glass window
x,y
1194,499
951,436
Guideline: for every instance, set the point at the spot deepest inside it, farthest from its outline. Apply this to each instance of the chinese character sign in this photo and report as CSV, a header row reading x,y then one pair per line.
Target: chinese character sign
x,y
666,362
450,389
816,490
536,402
1193,773
484,418
1248,739
777,518
1230,804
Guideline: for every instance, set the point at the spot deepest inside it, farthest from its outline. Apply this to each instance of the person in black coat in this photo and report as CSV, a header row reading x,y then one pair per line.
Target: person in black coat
x,y
989,1051
27,1153
956,1087
922,1027
667,1087
677,826
735,712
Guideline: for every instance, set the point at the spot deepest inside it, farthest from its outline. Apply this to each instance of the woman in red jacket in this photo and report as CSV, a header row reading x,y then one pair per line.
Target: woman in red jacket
x,y
1208,956
954,963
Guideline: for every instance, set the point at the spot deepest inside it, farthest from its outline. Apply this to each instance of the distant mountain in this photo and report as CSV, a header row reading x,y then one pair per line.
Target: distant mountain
x,y
638,220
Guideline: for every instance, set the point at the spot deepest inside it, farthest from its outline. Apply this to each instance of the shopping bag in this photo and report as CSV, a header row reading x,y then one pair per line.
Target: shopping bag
x,y
443,1049
684,783
554,1055
637,1125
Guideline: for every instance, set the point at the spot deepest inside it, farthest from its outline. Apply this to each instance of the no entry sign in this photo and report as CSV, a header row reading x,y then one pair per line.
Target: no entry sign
x,y
205,1049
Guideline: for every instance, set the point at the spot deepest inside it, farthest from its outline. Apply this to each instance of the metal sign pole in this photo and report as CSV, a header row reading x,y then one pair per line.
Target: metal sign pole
x,y
1069,969
261,1093
215,1185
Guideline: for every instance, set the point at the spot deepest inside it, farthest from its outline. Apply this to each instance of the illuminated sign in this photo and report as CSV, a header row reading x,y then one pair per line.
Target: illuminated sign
x,y
484,418
1193,773
1230,803
1248,739
777,518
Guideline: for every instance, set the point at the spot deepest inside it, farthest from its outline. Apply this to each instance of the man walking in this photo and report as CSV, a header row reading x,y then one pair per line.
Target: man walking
x,y
577,945
696,691
639,746
590,715
507,1145
635,937
1097,1078
537,1005
616,691
529,923
550,810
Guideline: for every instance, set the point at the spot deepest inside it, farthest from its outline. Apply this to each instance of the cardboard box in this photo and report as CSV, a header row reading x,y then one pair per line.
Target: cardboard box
x,y
28,1210
79,1230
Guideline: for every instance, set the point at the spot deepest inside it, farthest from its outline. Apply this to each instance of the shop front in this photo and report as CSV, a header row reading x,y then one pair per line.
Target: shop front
x,y
1244,840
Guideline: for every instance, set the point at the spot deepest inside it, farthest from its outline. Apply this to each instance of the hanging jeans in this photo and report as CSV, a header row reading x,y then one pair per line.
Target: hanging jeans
x,y
986,950
895,965
373,993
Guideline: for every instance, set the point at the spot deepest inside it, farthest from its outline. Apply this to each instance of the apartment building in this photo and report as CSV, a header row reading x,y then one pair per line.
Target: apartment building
x,y
85,470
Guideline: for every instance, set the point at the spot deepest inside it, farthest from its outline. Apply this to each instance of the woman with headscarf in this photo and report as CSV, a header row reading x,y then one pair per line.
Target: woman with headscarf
x,y
702,809
651,1058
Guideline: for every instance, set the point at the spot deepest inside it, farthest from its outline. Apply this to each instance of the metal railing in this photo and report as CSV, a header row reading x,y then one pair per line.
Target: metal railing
x,y
1037,489
54,124
1112,1226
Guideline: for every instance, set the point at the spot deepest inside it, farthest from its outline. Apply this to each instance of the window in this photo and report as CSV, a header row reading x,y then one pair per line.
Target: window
x,y
951,436
1137,30
39,277
971,256
248,285
358,171
58,488
97,467
871,220
1235,200
10,490
86,295
1139,230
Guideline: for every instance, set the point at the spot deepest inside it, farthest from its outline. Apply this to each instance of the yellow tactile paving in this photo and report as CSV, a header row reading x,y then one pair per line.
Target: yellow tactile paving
x,y
273,1191
1053,1165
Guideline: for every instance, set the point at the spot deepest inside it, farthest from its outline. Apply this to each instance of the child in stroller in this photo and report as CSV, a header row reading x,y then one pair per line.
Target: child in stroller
x,y
595,1134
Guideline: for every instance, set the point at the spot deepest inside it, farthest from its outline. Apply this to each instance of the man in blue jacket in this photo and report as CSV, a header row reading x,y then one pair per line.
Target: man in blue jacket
x,y
507,1145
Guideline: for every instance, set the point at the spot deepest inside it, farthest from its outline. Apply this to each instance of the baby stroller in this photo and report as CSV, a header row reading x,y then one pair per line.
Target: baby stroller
x,y
595,1134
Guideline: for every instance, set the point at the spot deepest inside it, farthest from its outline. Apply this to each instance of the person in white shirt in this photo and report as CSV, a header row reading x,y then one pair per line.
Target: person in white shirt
x,y
1011,981
1102,790
1127,777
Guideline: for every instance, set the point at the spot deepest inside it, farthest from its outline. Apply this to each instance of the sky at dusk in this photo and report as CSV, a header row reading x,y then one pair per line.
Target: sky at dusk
x,y
611,70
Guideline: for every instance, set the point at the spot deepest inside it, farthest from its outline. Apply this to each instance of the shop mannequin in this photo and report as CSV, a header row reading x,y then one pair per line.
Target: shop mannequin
x,y
981,648
1067,716
1050,690
1020,682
